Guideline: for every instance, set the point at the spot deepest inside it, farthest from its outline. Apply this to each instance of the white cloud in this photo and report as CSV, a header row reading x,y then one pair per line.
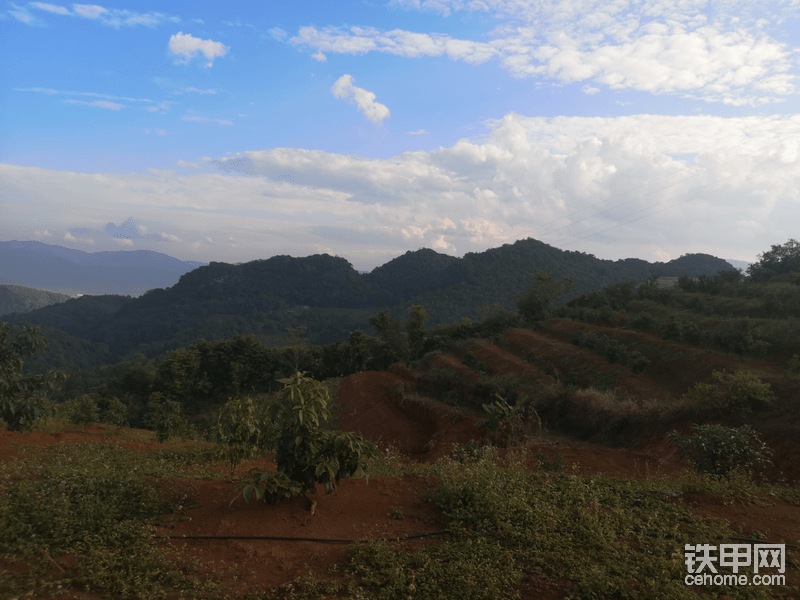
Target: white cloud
x,y
561,180
123,242
187,45
207,120
97,104
170,238
419,132
319,56
663,47
44,233
59,10
183,163
364,100
84,240
277,33
90,11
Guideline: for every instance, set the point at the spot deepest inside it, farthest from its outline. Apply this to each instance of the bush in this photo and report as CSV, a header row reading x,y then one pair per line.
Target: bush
x,y
165,417
503,421
307,454
739,338
84,411
643,322
113,412
719,450
741,391
242,431
793,366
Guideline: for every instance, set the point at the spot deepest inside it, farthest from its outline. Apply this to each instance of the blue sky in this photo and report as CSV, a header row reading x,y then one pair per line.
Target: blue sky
x,y
365,129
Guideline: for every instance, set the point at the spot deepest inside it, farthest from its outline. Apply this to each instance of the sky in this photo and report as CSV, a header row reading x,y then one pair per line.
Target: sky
x,y
367,128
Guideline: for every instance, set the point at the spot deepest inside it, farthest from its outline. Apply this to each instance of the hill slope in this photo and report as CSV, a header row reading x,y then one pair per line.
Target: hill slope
x,y
21,299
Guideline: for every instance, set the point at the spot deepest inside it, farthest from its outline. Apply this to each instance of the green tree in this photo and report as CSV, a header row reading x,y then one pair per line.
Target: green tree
x,y
395,342
781,259
415,328
165,417
536,304
23,399
308,453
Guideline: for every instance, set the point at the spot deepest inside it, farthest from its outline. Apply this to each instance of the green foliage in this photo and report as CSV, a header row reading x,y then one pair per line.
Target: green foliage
x,y
395,342
740,391
738,337
23,399
536,304
719,450
610,349
84,411
242,431
552,465
503,422
113,412
781,259
307,454
469,452
165,417
90,501
416,331
473,567
793,366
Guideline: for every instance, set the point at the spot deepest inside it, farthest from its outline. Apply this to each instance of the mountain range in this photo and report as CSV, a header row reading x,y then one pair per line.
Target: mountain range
x,y
264,297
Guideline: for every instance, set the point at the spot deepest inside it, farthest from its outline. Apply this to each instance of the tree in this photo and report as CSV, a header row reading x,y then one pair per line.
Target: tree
x,y
395,342
781,259
415,328
308,453
537,303
23,400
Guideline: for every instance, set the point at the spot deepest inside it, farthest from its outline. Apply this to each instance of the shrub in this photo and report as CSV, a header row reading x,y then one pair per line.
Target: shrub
x,y
503,422
84,411
720,450
307,454
739,338
165,417
793,366
242,431
643,322
113,412
739,391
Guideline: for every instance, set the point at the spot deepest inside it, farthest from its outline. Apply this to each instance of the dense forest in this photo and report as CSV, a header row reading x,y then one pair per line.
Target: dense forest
x,y
753,314
324,294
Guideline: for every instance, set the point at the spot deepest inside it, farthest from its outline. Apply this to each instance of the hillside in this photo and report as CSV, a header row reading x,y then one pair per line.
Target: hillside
x,y
21,299
330,298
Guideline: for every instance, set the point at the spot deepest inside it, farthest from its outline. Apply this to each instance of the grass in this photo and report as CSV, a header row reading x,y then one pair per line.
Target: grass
x,y
508,521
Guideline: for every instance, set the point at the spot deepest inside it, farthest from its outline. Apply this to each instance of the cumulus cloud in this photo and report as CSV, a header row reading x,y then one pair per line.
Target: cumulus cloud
x,y
44,233
663,48
615,187
186,45
363,99
68,237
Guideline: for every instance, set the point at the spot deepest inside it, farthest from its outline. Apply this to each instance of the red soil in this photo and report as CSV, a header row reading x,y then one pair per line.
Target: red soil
x,y
374,405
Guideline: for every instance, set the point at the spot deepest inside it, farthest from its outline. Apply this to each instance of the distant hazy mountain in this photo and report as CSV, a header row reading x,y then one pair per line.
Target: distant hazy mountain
x,y
66,271
19,299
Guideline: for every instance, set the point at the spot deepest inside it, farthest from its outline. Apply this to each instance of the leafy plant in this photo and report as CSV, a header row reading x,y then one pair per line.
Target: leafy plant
x,y
307,453
554,464
739,391
84,411
793,366
720,450
23,399
503,421
166,418
242,431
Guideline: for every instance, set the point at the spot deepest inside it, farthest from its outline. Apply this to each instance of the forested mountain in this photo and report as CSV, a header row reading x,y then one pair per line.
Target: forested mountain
x,y
67,271
21,299
328,296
